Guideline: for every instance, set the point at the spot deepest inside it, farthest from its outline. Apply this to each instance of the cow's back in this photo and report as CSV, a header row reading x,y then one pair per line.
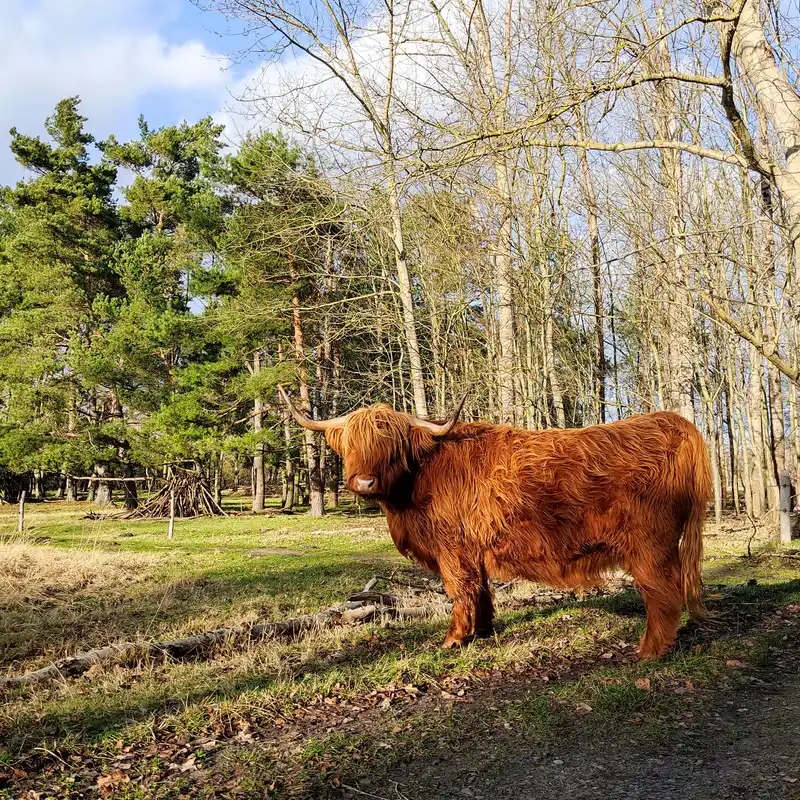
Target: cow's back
x,y
485,481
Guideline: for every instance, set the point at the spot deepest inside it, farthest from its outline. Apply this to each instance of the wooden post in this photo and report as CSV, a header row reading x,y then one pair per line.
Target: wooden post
x,y
21,517
786,507
171,513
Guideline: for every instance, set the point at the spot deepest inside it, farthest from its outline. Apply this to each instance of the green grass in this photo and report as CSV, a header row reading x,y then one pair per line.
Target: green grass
x,y
87,582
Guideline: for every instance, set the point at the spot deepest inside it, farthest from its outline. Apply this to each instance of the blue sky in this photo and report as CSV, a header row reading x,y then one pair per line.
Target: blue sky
x,y
162,58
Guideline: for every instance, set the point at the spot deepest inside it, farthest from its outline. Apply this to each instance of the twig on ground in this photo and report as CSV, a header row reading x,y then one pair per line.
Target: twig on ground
x,y
425,587
373,597
363,794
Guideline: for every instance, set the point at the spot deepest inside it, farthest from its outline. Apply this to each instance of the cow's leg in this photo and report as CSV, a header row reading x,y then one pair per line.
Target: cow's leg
x,y
464,587
483,624
660,586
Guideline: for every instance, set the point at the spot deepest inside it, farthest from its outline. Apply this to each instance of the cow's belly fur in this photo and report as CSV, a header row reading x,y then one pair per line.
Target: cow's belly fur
x,y
575,555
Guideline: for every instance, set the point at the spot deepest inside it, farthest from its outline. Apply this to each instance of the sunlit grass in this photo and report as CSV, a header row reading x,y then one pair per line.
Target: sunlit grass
x,y
72,583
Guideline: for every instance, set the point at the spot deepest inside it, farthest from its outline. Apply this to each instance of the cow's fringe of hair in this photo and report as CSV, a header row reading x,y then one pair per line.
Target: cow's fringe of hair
x,y
381,435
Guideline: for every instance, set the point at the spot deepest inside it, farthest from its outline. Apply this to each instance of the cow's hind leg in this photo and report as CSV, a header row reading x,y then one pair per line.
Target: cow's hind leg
x,y
484,627
660,586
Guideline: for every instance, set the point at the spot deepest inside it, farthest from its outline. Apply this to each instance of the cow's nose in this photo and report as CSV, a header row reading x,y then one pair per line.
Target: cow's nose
x,y
365,484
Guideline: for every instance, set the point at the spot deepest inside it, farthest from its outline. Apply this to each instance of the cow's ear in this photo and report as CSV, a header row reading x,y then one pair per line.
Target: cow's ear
x,y
335,438
422,442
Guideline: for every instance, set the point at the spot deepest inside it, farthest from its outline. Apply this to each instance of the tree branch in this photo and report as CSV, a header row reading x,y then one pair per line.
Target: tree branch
x,y
766,349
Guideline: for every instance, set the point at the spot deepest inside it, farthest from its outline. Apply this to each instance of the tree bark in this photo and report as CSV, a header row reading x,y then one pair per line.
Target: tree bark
x,y
258,483
218,479
406,298
102,492
680,307
599,376
316,486
776,100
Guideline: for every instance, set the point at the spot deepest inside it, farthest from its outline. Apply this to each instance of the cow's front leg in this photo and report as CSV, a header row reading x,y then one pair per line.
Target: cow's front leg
x,y
465,588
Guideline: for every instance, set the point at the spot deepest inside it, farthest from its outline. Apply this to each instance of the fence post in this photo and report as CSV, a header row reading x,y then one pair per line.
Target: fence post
x,y
171,513
786,507
21,517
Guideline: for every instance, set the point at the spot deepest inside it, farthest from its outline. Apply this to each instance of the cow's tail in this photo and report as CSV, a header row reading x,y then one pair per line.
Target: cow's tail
x,y
694,465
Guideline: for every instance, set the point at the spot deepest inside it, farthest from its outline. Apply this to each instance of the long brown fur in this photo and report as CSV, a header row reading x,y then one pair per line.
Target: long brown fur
x,y
560,507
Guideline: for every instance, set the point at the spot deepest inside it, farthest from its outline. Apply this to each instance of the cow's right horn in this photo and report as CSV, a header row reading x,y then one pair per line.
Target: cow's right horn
x,y
307,422
444,428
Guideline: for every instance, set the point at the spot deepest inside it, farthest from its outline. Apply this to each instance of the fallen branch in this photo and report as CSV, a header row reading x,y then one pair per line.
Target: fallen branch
x,y
427,586
201,643
373,597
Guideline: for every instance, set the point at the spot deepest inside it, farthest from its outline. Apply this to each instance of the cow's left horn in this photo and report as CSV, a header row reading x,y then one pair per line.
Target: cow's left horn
x,y
444,428
307,422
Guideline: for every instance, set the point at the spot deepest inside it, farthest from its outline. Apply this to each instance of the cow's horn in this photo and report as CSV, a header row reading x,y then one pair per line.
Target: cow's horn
x,y
307,422
445,427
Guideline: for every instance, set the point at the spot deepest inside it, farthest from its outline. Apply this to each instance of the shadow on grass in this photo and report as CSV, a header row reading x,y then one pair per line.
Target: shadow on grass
x,y
736,610
103,716
61,624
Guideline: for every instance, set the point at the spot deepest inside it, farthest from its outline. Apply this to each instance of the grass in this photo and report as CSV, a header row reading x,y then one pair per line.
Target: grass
x,y
301,718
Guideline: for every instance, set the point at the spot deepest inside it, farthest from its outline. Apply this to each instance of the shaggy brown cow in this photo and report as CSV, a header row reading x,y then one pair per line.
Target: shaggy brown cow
x,y
473,501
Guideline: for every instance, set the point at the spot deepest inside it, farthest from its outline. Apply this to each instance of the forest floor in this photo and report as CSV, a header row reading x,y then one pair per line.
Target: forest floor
x,y
554,705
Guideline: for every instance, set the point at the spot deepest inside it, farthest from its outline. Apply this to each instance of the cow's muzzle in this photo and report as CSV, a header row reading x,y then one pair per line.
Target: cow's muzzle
x,y
365,485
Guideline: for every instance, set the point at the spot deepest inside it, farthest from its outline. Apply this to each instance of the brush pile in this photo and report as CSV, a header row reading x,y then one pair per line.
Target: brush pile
x,y
193,498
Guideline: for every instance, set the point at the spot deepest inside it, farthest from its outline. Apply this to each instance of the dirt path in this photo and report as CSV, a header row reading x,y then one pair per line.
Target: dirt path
x,y
742,744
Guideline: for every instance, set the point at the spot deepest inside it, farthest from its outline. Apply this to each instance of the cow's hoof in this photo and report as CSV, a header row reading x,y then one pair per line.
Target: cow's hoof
x,y
650,654
645,655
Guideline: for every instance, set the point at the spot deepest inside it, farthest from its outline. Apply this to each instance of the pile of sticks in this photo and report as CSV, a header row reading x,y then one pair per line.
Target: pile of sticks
x,y
183,494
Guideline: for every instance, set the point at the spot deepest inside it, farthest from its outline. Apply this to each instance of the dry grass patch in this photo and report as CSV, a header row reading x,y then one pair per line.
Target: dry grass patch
x,y
31,574
52,601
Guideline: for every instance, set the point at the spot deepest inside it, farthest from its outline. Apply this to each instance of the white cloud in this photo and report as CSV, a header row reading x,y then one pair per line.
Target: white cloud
x,y
112,54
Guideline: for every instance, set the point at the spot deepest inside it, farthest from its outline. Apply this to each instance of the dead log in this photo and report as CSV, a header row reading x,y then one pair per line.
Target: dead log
x,y
126,653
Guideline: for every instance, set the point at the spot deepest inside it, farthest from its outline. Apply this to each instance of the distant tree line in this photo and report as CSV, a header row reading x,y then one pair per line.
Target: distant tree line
x,y
573,213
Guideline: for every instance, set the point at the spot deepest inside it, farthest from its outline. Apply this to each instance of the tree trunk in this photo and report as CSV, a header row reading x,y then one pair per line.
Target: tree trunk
x,y
130,490
406,298
504,271
713,439
599,376
258,488
777,102
69,486
728,408
69,489
102,492
316,486
218,479
680,350
755,409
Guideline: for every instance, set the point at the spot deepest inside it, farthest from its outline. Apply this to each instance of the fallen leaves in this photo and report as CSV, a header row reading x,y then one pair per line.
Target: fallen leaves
x,y
108,783
643,684
735,664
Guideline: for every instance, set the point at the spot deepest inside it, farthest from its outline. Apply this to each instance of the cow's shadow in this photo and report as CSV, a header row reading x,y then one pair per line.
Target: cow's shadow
x,y
735,610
